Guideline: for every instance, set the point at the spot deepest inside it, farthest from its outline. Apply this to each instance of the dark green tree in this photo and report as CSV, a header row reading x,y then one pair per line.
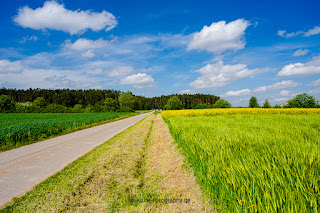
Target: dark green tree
x,y
302,101
253,103
221,103
174,103
6,104
39,102
266,104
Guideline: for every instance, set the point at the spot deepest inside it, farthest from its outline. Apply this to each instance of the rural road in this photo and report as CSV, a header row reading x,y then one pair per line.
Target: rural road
x,y
24,167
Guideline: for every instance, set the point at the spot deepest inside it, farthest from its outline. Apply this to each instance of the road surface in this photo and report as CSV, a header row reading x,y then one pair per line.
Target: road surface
x,y
24,167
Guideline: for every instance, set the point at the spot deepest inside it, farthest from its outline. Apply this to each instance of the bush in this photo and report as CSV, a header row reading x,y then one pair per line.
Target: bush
x,y
126,100
55,108
202,106
174,103
26,107
221,103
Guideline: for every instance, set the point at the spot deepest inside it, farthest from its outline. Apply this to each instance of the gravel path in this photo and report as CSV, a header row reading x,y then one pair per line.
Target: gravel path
x,y
24,167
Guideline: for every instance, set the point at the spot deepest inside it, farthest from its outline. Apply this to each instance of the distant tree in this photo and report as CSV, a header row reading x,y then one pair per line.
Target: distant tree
x,y
6,104
39,102
266,104
302,101
253,103
174,103
221,103
126,101
77,108
277,106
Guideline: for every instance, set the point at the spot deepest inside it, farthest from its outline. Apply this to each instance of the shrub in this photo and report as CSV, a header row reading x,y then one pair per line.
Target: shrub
x,y
6,104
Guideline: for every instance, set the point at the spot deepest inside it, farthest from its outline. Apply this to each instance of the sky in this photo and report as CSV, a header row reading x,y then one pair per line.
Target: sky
x,y
232,49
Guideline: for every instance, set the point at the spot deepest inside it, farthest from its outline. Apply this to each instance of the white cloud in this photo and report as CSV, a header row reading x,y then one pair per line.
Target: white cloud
x,y
121,71
186,91
277,86
139,80
311,32
88,54
301,69
83,44
54,16
238,93
7,66
315,83
94,72
28,38
219,75
314,31
315,91
220,37
301,52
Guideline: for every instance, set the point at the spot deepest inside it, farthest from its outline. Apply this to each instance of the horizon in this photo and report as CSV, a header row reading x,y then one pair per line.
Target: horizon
x,y
232,50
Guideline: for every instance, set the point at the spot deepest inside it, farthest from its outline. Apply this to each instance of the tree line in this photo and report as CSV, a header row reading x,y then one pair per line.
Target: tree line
x,y
92,100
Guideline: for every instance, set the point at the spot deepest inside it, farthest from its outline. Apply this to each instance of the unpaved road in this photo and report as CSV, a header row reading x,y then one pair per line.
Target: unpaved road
x,y
24,167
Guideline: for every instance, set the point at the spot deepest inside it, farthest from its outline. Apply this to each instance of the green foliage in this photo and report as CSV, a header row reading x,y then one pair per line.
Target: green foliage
x,y
254,163
6,104
221,103
253,103
126,101
39,102
18,129
277,106
266,104
110,105
174,103
78,108
302,101
56,108
202,106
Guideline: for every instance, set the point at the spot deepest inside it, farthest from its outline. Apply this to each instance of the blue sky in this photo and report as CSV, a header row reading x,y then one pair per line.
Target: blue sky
x,y
234,49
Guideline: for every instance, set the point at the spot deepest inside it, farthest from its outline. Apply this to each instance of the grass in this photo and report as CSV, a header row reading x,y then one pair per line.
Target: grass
x,y
18,129
254,163
131,172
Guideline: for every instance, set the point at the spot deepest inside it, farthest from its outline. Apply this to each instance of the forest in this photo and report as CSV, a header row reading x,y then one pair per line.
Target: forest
x,y
97,100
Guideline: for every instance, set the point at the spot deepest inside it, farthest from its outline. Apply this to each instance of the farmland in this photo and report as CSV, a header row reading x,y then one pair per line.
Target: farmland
x,y
18,129
253,160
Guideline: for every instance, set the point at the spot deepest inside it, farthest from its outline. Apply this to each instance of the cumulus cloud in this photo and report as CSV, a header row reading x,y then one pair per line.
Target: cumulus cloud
x,y
7,66
301,52
242,92
55,16
121,71
83,44
219,75
311,32
301,69
88,54
220,36
277,86
139,80
186,91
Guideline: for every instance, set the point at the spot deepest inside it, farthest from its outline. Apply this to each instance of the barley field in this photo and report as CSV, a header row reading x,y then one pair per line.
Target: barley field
x,y
253,160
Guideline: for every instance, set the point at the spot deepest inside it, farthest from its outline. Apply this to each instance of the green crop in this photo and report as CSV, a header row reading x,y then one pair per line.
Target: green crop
x,y
254,163
17,129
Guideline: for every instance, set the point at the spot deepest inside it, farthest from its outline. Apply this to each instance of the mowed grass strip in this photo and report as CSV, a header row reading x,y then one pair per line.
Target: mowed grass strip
x,y
116,177
18,129
254,163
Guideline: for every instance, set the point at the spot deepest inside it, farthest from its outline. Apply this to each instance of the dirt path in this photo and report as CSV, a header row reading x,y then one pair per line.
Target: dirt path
x,y
24,167
138,170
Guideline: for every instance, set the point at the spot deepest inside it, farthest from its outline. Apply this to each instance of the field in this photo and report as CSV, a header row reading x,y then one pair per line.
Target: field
x,y
18,129
246,161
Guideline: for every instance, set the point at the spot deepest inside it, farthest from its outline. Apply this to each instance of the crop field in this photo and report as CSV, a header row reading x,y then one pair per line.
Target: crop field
x,y
17,129
246,161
